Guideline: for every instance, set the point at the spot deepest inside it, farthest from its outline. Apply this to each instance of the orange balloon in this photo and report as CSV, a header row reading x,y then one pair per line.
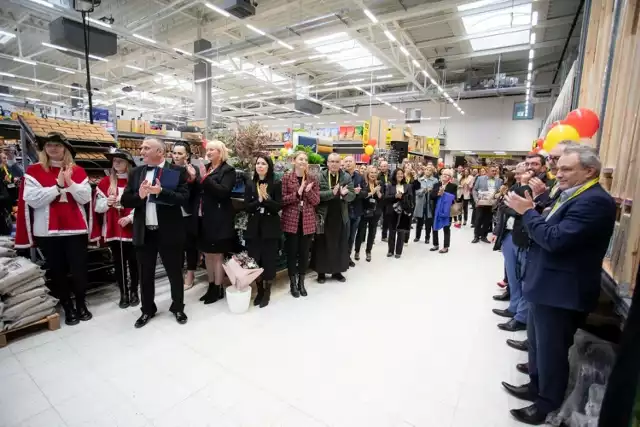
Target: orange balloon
x,y
365,158
585,121
373,142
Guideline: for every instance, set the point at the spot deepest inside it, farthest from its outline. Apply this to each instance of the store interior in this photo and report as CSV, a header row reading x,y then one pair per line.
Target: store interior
x,y
410,342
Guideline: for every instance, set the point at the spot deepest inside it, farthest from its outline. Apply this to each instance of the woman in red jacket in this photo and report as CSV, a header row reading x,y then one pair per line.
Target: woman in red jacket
x,y
52,215
300,196
117,229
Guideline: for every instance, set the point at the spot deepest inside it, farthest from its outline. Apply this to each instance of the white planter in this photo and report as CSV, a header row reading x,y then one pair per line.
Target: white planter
x,y
238,301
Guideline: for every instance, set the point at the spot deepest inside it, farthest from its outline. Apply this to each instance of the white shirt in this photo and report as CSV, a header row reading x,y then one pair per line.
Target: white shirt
x,y
151,215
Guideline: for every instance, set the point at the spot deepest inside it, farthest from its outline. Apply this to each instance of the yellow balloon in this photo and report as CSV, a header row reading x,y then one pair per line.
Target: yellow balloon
x,y
283,151
368,150
558,134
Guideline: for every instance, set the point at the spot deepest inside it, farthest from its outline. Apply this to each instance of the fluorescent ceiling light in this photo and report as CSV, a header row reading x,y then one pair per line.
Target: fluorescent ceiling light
x,y
147,39
19,87
532,39
348,54
219,76
65,70
99,22
6,94
401,111
529,76
389,35
356,80
62,104
49,93
288,46
7,74
331,84
76,97
99,78
218,10
502,19
233,97
395,108
318,40
133,67
7,34
528,84
312,57
43,3
201,80
530,67
287,62
250,95
370,16
534,19
255,30
267,92
386,76
404,50
499,152
184,52
33,99
416,63
99,58
55,46
530,53
24,61
475,5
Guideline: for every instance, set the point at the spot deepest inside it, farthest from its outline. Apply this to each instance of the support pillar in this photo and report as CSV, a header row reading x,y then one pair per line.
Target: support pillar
x,y
202,89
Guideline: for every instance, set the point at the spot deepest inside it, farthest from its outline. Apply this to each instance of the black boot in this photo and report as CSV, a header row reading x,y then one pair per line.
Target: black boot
x,y
303,290
267,294
134,299
70,315
260,294
124,299
212,295
81,310
294,287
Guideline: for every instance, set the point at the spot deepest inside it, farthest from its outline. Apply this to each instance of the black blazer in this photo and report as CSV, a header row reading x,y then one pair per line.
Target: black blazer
x,y
217,209
193,203
451,188
406,200
170,218
265,224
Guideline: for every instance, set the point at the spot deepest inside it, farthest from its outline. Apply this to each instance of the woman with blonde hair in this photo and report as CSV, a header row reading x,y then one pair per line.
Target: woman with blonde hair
x,y
217,234
52,215
117,228
372,210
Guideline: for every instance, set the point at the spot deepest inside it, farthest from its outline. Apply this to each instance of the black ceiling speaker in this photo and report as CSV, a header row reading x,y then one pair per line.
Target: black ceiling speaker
x,y
440,64
307,106
240,8
69,34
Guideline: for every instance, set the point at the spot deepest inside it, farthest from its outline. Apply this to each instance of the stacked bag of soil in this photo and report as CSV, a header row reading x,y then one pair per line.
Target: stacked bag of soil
x,y
24,298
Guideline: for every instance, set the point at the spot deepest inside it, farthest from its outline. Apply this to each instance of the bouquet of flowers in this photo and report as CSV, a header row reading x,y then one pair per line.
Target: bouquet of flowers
x,y
242,270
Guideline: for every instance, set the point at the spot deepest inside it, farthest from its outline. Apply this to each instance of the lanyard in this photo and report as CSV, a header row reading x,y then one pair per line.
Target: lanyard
x,y
6,171
579,191
337,180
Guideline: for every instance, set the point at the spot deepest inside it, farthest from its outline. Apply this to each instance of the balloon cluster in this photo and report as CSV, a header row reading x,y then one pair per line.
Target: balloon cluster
x,y
368,150
580,123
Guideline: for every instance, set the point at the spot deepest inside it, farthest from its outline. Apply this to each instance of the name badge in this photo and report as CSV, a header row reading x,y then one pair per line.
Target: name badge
x,y
261,210
12,185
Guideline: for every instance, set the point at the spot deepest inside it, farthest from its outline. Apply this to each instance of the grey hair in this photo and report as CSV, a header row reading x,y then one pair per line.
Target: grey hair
x,y
568,144
521,165
160,143
587,156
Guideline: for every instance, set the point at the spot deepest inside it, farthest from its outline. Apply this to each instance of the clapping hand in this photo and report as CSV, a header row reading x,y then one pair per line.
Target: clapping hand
x,y
143,192
155,189
357,189
302,186
336,189
537,186
308,187
60,180
398,195
191,171
344,190
519,204
68,172
124,221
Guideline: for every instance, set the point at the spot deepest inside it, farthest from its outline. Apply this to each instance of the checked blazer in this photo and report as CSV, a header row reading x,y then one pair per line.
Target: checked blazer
x,y
291,205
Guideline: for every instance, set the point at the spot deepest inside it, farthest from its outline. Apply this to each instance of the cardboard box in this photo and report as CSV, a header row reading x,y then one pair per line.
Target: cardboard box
x,y
124,125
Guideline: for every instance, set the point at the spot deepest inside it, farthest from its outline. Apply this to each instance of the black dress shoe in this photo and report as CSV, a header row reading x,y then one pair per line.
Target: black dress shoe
x,y
356,256
518,345
322,278
512,326
351,263
505,296
368,256
522,392
485,240
523,368
70,315
181,318
339,277
143,320
416,240
475,240
389,254
134,299
530,415
83,313
398,256
503,313
435,248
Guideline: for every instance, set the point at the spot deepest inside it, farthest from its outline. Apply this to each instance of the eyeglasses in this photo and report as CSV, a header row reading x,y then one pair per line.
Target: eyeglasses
x,y
554,158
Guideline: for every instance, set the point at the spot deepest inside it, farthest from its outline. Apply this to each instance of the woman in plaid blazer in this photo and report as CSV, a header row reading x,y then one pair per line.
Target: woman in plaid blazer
x,y
300,196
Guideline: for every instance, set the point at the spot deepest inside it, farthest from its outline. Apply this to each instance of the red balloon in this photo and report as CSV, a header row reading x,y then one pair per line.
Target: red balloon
x,y
585,121
288,144
373,142
540,143
365,158
441,165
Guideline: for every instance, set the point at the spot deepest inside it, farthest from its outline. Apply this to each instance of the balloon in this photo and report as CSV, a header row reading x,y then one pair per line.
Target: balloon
x,y
373,142
585,121
558,134
556,123
365,158
540,143
440,164
283,151
204,143
368,150
288,144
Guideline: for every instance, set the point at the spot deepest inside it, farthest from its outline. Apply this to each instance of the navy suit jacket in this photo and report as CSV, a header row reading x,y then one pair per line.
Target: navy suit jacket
x,y
564,262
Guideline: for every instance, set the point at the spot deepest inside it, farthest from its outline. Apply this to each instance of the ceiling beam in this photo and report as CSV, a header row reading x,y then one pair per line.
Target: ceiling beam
x,y
510,49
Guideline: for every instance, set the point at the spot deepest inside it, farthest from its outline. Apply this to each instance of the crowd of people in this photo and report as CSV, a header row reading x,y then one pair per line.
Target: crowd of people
x,y
549,217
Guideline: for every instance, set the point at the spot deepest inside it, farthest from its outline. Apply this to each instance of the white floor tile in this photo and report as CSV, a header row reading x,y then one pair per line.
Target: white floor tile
x,y
404,342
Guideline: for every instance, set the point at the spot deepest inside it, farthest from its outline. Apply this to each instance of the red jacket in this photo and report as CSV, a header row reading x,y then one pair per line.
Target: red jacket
x,y
291,205
110,229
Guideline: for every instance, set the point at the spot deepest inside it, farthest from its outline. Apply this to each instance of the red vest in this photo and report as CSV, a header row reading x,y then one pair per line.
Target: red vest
x,y
111,230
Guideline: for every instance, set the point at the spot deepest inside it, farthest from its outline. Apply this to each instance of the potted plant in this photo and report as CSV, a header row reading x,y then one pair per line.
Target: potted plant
x,y
242,270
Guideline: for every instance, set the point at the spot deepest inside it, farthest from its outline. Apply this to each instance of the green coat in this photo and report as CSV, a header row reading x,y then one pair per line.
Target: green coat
x,y
326,194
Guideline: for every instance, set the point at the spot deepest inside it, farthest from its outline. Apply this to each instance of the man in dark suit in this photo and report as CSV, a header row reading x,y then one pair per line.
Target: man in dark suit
x,y
355,207
384,178
158,225
562,282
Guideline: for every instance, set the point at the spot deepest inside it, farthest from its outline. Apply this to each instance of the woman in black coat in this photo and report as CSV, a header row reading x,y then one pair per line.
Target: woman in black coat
x,y
263,202
217,234
372,210
181,154
399,205
446,185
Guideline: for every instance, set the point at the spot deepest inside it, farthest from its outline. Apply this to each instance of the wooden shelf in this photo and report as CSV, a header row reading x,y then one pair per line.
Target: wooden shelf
x,y
144,135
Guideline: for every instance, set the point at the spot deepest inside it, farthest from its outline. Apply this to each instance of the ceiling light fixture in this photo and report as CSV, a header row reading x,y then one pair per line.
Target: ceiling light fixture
x,y
386,76
133,67
49,93
416,63
99,22
530,66
356,80
32,99
530,53
288,46
7,74
534,19
370,15
43,3
24,61
389,35
404,50
7,95
201,80
19,87
325,38
321,55
183,52
146,39
99,78
287,62
65,70
218,10
331,84
255,30
99,58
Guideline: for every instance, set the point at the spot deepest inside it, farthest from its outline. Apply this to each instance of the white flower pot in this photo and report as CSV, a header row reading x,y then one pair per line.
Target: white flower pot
x,y
238,301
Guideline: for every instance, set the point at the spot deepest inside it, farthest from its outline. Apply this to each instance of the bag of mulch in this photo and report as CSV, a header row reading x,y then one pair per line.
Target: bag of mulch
x,y
6,243
25,286
46,302
25,321
7,252
3,272
19,269
6,260
16,312
1,309
37,292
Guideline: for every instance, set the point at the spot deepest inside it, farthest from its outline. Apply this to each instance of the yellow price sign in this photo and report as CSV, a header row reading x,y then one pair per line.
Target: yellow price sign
x,y
433,145
365,134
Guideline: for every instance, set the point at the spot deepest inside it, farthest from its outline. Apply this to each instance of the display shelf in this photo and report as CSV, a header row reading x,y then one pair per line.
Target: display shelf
x,y
144,135
610,287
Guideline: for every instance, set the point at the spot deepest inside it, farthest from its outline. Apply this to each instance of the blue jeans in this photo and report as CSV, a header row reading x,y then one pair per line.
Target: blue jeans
x,y
515,259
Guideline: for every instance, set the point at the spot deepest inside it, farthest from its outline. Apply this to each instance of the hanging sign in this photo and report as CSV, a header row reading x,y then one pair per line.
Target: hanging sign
x,y
365,134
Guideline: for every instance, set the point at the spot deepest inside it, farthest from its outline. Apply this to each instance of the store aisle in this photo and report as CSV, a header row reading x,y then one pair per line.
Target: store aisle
x,y
408,342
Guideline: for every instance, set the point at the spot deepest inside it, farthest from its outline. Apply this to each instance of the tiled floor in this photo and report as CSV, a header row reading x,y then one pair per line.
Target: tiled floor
x,y
409,342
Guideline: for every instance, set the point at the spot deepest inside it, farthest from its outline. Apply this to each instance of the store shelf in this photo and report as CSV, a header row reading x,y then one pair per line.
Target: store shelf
x,y
144,135
417,153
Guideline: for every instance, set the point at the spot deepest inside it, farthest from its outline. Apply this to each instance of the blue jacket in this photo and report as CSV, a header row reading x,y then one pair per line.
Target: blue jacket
x,y
356,208
443,211
564,262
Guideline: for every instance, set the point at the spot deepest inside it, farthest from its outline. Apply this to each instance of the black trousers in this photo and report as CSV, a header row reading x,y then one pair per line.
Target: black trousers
x,y
484,217
447,236
396,236
66,255
191,252
550,332
297,246
125,264
171,256
354,224
465,210
367,229
427,223
385,225
473,211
